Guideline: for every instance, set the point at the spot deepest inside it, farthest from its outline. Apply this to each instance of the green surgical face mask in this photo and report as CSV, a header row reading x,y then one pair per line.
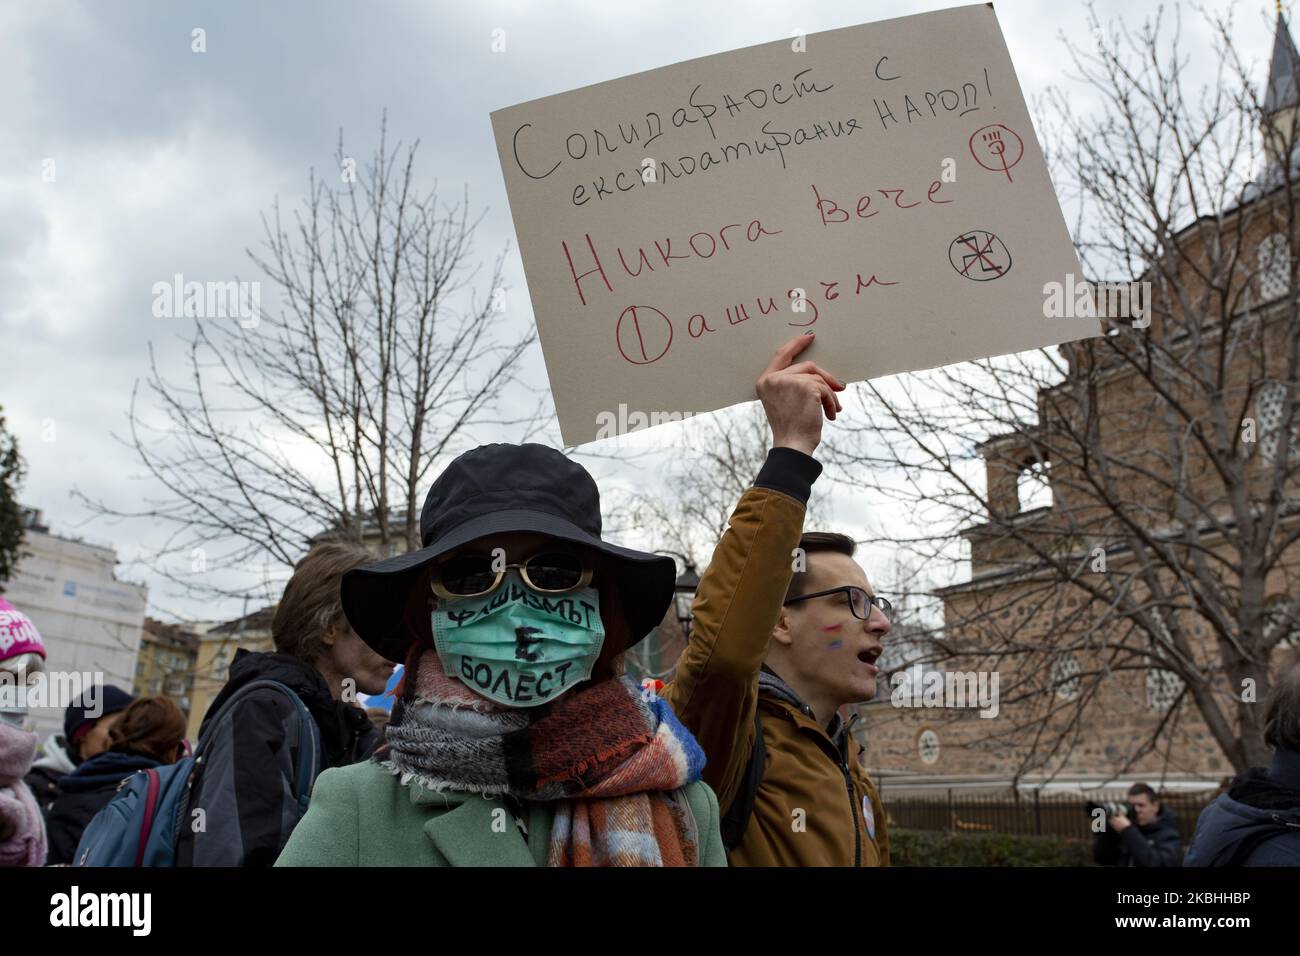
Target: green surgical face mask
x,y
517,646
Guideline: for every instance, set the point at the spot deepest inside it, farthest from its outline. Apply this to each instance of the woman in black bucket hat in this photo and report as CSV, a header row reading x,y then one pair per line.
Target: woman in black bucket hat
x,y
514,740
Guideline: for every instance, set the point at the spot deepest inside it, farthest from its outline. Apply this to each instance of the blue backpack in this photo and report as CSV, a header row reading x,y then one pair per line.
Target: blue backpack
x,y
142,824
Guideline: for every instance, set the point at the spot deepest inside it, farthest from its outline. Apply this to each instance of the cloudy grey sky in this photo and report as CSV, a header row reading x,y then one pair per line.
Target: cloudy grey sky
x,y
165,159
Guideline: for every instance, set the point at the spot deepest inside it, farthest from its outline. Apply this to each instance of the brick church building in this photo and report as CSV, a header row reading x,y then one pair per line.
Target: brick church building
x,y
1108,656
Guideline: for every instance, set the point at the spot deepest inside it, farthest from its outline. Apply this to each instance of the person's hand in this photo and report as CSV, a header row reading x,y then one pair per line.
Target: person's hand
x,y
1119,824
796,395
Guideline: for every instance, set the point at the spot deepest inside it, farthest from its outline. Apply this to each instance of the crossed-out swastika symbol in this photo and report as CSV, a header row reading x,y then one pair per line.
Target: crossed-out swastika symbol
x,y
979,255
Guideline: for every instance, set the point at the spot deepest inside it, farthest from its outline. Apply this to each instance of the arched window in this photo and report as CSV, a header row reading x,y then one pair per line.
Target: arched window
x,y
1065,676
1163,688
1270,405
1274,267
1034,487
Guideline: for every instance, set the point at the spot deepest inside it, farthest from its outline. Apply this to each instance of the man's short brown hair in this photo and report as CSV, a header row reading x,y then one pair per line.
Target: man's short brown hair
x,y
1282,720
810,543
1143,790
310,605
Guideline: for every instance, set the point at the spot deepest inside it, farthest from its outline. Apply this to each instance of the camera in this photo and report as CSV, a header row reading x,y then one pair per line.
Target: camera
x,y
1113,808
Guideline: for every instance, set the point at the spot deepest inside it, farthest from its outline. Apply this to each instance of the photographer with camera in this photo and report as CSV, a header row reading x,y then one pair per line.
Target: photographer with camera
x,y
1139,832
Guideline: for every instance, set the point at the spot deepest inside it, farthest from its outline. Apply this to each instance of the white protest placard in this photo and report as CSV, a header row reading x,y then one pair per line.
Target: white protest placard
x,y
880,185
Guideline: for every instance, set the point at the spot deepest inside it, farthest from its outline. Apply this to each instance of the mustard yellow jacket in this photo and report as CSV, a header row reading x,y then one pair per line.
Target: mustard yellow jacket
x,y
815,805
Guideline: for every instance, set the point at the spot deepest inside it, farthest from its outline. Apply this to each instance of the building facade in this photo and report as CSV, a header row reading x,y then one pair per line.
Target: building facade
x,y
167,662
1089,674
213,654
91,620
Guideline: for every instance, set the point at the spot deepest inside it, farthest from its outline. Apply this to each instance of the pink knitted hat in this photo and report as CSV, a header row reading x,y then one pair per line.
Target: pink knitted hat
x,y
18,635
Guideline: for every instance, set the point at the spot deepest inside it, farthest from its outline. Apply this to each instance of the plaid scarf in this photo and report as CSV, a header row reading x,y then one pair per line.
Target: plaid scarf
x,y
612,762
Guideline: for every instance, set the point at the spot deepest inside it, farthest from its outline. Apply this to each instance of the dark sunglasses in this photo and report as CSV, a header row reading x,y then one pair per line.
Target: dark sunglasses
x,y
860,602
473,575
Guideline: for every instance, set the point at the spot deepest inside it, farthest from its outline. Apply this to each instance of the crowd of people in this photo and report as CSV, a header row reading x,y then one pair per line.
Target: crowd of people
x,y
515,737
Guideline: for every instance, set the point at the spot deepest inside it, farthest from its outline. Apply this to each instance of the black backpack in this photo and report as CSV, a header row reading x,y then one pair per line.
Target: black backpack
x,y
214,783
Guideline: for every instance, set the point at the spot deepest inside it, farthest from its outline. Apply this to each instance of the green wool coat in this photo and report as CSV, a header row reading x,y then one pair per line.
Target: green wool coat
x,y
362,815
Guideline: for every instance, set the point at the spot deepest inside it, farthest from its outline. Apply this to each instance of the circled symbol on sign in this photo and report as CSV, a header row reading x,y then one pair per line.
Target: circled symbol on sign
x,y
979,255
997,148
641,338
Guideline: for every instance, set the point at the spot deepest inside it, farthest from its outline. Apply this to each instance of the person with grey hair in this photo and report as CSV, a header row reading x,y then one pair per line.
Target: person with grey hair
x,y
1257,822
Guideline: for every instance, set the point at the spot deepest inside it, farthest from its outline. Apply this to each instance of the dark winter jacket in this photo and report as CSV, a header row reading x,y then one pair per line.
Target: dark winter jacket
x,y
262,757
52,765
82,794
1156,844
1256,823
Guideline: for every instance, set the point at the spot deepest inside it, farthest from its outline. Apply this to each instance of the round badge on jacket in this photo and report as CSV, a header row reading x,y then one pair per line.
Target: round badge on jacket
x,y
869,816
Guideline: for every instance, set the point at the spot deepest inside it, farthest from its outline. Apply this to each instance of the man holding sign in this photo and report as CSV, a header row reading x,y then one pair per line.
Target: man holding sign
x,y
880,184
786,630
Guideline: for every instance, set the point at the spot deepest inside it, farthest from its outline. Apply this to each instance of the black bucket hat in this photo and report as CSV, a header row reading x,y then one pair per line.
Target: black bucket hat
x,y
501,489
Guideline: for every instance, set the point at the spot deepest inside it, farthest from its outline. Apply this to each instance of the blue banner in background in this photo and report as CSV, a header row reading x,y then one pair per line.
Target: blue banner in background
x,y
385,699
